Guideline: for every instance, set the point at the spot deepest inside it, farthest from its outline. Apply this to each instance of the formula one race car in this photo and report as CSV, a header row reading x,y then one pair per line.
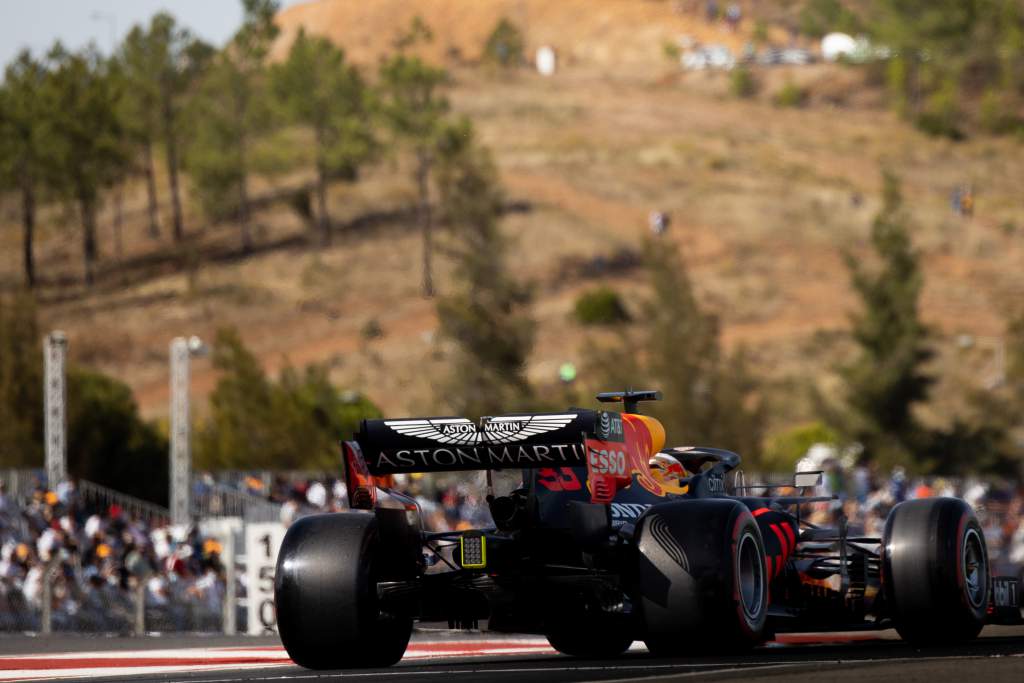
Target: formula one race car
x,y
610,538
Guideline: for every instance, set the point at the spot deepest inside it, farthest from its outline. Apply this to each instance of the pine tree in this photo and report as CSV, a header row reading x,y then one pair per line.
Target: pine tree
x,y
320,90
486,318
83,136
253,422
108,442
414,109
946,52
160,64
1015,359
138,64
230,112
22,161
241,408
21,384
888,379
990,439
709,398
706,394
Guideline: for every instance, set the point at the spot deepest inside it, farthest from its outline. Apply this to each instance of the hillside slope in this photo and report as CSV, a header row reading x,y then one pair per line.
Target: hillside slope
x,y
764,201
615,35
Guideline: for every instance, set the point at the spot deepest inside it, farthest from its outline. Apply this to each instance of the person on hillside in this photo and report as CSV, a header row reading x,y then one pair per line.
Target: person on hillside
x,y
711,11
967,202
733,15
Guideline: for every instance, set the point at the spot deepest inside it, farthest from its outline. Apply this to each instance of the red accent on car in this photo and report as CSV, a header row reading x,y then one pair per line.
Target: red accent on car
x,y
782,539
792,536
362,489
562,479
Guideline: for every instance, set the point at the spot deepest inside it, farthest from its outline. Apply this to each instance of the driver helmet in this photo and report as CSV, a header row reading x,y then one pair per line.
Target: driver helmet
x,y
666,468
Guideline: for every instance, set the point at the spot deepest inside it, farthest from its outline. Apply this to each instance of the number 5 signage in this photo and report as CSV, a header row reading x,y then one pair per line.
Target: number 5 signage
x,y
262,541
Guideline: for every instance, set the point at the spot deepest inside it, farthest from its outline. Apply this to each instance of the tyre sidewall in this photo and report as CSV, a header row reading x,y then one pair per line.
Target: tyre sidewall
x,y
922,571
325,593
696,603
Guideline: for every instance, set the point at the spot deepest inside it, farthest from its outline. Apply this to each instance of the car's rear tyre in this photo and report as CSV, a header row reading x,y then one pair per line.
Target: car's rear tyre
x,y
701,578
935,571
325,590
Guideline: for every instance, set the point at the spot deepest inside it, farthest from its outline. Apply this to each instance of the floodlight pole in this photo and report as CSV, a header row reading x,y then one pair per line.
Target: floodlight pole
x,y
55,350
180,453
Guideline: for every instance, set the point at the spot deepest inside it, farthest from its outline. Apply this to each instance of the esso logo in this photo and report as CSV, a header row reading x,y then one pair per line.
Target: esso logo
x,y
609,462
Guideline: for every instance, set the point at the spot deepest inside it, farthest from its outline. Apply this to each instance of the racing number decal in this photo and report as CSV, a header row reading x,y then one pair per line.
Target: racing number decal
x,y
562,479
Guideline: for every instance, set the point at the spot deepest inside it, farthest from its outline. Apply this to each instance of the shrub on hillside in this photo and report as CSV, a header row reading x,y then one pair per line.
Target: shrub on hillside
x,y
819,17
996,114
671,50
941,115
785,448
791,95
505,45
600,306
742,82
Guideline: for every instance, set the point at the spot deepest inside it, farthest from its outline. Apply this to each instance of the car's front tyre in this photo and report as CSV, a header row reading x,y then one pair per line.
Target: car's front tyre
x,y
935,571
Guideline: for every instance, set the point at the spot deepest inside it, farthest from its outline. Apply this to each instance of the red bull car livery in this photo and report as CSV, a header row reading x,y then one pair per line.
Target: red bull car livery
x,y
610,537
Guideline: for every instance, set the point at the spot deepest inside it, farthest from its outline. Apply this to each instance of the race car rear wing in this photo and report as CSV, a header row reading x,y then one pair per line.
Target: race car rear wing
x,y
382,448
447,444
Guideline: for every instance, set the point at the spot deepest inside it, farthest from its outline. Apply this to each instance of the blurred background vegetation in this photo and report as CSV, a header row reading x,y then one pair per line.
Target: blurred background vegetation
x,y
387,224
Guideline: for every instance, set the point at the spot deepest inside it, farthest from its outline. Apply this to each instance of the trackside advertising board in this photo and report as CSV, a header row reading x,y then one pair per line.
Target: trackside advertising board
x,y
262,542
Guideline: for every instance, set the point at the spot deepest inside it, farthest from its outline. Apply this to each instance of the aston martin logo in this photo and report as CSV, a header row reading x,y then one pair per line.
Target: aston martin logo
x,y
459,431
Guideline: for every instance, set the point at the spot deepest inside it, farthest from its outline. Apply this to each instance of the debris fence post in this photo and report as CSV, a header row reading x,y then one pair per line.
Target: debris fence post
x,y
139,628
230,609
49,576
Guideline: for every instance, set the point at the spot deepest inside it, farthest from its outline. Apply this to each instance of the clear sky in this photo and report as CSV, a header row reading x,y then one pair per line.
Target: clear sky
x,y
36,24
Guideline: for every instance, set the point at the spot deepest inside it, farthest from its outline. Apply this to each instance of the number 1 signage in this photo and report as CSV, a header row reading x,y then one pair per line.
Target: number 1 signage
x,y
262,542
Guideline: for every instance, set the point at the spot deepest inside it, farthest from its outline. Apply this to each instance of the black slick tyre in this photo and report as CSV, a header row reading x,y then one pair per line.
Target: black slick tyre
x,y
935,571
701,580
325,591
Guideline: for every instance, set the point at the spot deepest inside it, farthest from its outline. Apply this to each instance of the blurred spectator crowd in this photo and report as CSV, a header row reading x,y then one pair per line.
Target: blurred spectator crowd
x,y
101,560
864,495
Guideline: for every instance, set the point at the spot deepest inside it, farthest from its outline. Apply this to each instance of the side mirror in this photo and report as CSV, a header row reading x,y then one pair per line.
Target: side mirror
x,y
802,479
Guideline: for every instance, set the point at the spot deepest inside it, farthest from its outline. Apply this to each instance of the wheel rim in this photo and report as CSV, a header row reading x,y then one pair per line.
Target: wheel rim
x,y
974,568
751,576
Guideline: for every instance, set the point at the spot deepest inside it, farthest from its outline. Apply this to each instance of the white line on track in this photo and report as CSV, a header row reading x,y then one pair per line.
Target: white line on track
x,y
679,669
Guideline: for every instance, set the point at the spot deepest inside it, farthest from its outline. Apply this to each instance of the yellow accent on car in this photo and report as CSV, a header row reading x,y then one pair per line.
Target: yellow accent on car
x,y
656,430
476,558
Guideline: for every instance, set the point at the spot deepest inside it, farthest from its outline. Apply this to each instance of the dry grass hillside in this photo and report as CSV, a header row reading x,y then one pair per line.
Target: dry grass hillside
x,y
615,35
763,201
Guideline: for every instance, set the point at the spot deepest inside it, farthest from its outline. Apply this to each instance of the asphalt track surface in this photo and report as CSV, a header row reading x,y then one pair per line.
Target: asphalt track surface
x,y
997,656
